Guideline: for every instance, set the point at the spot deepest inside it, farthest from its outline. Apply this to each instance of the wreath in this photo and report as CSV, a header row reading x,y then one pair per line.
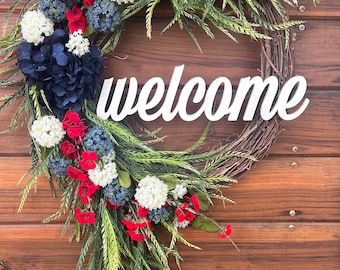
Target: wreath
x,y
116,188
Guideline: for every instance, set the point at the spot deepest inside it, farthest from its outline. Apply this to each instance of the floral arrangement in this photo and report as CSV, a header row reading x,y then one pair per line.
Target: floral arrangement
x,y
116,188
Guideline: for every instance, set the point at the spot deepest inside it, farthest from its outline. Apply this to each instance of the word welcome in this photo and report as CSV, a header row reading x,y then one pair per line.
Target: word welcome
x,y
155,101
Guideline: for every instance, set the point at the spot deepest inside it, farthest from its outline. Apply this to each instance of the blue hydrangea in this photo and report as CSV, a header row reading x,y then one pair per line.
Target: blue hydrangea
x,y
116,194
159,215
103,16
58,166
97,140
65,78
53,9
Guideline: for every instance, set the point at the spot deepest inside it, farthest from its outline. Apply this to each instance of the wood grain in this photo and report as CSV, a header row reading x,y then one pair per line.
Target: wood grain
x,y
310,186
262,246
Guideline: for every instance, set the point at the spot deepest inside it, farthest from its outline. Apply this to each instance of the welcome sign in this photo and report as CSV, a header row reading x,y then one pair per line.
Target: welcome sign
x,y
154,96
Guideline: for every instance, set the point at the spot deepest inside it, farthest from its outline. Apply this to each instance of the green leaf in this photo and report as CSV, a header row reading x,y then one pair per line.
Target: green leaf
x,y
124,179
170,180
205,224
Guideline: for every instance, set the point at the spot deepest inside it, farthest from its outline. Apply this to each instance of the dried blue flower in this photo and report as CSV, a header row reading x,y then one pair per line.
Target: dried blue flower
x,y
53,9
103,16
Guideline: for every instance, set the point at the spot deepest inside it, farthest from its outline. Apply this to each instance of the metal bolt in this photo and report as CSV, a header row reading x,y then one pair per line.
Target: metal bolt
x,y
291,227
293,164
302,8
292,213
295,149
302,27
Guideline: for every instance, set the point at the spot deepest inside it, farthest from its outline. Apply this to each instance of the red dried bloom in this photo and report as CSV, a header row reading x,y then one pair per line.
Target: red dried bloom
x,y
74,14
88,3
142,212
227,231
129,224
74,126
84,217
69,150
112,206
76,20
138,237
86,191
76,174
88,160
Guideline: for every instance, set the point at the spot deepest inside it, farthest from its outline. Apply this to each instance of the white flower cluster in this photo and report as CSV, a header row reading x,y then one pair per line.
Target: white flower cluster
x,y
183,224
77,44
123,1
105,171
151,192
35,27
47,131
179,191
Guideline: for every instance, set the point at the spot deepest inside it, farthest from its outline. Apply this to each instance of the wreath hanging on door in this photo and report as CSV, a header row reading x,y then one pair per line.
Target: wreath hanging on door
x,y
115,186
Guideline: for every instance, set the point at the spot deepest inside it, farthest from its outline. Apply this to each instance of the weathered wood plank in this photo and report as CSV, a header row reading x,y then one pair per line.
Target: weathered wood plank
x,y
262,246
310,186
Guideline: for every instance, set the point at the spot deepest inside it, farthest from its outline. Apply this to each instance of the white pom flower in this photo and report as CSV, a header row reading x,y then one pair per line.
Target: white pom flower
x,y
151,192
77,44
179,191
105,172
47,131
35,27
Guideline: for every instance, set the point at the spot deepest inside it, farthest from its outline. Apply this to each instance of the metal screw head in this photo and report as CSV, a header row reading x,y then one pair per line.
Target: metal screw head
x,y
291,227
295,149
302,8
293,164
292,213
302,27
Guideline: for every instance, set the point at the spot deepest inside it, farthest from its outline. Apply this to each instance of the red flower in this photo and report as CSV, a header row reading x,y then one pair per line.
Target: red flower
x,y
76,20
138,237
142,212
86,191
227,231
76,174
69,150
84,217
88,160
129,224
74,126
88,3
111,205
184,215
195,202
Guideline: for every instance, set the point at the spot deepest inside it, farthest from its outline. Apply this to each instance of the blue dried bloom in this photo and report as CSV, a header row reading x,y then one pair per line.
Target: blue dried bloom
x,y
53,9
65,78
58,166
159,215
103,16
97,140
116,194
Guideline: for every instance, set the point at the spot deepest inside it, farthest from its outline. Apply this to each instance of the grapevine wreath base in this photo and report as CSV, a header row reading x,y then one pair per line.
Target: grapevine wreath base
x,y
116,188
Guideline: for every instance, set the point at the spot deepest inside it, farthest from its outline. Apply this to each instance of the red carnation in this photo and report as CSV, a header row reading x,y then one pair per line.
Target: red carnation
x,y
88,3
227,231
84,217
88,160
69,150
76,174
74,126
76,20
142,212
86,191
138,237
